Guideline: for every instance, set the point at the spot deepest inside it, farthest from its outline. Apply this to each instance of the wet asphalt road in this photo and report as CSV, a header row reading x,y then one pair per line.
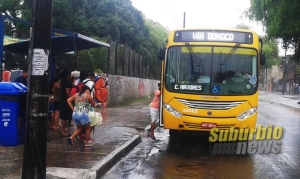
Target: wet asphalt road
x,y
192,157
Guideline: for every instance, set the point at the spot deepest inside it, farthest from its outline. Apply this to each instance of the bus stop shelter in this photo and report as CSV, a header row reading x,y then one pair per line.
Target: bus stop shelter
x,y
61,43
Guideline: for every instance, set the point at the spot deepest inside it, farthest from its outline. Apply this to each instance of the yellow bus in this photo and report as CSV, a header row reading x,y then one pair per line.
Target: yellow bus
x,y
210,79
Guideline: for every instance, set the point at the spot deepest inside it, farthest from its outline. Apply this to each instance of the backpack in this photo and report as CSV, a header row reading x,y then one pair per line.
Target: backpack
x,y
77,88
100,92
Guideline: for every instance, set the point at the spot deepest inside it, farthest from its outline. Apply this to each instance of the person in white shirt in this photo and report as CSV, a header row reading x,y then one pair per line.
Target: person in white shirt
x,y
89,81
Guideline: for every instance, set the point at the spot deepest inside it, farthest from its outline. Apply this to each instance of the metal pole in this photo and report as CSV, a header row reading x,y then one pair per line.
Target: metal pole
x,y
108,59
1,41
123,61
284,72
129,59
184,20
35,146
116,58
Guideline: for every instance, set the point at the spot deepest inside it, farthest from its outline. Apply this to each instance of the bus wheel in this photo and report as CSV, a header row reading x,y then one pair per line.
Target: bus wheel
x,y
173,135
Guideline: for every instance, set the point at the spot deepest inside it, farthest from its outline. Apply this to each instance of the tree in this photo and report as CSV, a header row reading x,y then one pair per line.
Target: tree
x,y
280,19
115,20
270,47
242,26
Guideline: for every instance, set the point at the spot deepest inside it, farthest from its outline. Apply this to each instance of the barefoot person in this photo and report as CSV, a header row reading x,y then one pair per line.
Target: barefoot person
x,y
82,102
65,112
56,93
154,111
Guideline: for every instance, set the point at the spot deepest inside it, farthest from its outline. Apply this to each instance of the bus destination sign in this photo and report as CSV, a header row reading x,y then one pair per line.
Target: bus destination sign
x,y
188,87
213,36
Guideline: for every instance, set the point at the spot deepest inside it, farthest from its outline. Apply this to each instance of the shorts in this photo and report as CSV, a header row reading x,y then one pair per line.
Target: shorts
x,y
56,105
154,113
80,118
51,107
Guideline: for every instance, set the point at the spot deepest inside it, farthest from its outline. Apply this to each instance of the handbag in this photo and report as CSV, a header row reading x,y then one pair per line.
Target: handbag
x,y
95,118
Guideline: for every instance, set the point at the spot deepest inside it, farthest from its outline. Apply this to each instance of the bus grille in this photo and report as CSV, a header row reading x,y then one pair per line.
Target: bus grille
x,y
198,126
211,105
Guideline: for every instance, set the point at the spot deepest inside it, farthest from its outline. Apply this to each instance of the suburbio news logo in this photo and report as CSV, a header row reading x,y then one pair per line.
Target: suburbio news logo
x,y
266,140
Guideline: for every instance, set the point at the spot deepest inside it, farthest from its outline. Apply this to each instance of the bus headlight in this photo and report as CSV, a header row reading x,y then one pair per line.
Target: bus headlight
x,y
172,110
247,114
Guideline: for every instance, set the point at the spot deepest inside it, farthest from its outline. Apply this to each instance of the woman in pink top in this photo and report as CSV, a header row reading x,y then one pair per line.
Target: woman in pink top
x,y
154,111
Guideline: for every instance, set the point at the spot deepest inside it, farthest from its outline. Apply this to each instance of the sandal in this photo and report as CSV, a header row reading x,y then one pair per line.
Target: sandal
x,y
91,140
77,137
70,141
89,145
152,137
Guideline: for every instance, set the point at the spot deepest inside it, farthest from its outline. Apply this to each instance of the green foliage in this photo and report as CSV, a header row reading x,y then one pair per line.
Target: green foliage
x,y
104,20
270,47
84,61
280,18
271,50
242,26
98,71
11,7
14,61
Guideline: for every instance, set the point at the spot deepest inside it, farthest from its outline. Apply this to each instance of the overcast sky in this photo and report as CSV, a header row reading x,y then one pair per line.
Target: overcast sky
x,y
199,13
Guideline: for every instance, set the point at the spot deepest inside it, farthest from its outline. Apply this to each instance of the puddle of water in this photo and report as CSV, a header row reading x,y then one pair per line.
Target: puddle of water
x,y
153,151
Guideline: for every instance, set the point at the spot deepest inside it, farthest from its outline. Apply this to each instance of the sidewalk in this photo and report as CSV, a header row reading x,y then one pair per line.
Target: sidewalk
x,y
120,132
287,100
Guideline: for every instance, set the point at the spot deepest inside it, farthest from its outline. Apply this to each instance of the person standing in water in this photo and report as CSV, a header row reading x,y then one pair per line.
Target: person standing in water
x,y
154,112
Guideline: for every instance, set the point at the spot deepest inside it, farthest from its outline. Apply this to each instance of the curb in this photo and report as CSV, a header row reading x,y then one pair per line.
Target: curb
x,y
110,160
281,104
99,169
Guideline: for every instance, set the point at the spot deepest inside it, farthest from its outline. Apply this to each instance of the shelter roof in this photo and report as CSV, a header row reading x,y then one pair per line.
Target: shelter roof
x,y
60,43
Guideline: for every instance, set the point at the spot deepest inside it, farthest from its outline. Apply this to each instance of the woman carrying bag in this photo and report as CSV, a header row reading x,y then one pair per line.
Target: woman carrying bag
x,y
82,103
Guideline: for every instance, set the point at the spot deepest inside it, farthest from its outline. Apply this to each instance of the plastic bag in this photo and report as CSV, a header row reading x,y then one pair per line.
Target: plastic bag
x,y
95,118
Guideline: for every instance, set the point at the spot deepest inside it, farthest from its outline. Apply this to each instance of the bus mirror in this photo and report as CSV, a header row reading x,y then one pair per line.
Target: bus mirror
x,y
263,58
162,52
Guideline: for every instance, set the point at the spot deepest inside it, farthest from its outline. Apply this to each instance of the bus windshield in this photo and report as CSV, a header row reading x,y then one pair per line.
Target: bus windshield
x,y
211,70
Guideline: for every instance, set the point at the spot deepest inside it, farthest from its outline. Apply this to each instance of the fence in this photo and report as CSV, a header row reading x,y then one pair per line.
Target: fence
x,y
116,60
121,60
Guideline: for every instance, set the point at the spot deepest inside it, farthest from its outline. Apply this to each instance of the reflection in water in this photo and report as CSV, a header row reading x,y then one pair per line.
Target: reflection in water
x,y
191,158
153,151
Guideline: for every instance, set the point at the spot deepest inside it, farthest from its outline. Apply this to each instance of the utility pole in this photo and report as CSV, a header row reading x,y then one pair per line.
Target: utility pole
x,y
266,80
35,146
284,71
1,43
184,20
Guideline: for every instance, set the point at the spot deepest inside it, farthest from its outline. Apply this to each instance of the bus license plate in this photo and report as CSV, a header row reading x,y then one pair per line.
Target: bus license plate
x,y
208,125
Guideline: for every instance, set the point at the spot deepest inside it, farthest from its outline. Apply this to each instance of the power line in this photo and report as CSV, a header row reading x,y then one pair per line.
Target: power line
x,y
169,11
173,11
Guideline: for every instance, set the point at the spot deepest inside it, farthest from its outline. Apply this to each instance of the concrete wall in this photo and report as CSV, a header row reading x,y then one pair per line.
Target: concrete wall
x,y
123,88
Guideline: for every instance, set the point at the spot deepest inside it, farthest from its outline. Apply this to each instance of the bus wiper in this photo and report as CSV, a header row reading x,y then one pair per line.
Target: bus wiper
x,y
230,53
192,57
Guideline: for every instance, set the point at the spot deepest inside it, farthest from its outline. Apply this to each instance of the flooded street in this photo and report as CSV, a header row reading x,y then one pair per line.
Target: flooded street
x,y
191,157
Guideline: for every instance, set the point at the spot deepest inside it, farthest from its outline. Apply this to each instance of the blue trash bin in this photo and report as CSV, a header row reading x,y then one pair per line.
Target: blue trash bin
x,y
10,94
